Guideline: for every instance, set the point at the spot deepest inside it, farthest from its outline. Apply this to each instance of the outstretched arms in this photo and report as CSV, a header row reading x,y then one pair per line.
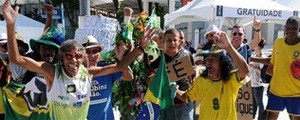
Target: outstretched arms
x,y
123,64
10,16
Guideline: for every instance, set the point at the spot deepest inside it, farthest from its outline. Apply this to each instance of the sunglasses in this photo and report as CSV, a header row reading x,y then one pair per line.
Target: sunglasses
x,y
92,51
71,55
236,33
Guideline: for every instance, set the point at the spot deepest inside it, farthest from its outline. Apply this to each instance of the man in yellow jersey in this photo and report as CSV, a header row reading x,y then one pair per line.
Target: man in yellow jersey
x,y
284,87
217,87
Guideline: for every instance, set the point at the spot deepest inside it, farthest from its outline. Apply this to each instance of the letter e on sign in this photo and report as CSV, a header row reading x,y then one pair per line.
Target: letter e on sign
x,y
179,69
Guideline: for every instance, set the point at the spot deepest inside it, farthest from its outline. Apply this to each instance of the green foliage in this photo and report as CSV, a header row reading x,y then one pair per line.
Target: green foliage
x,y
161,12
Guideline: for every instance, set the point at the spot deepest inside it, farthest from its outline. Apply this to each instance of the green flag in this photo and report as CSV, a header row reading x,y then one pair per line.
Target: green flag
x,y
159,91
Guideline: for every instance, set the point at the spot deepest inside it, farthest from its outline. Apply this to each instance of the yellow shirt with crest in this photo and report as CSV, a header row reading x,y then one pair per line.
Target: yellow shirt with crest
x,y
217,99
283,83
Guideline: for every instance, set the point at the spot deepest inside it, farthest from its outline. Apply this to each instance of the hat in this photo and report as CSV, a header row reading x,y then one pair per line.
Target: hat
x,y
3,38
51,37
295,68
198,57
20,41
215,51
211,28
90,41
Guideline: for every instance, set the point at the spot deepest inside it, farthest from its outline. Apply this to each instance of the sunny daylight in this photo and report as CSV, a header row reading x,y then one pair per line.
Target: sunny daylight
x,y
150,60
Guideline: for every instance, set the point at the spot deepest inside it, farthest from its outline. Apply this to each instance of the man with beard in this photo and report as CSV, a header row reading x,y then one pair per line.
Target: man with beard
x,y
101,86
217,87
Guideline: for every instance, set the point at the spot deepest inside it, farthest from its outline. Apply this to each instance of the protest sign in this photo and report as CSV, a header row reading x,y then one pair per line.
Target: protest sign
x,y
244,103
179,69
104,29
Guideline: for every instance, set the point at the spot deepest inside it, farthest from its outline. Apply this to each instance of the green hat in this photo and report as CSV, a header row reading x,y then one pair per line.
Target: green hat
x,y
214,51
51,37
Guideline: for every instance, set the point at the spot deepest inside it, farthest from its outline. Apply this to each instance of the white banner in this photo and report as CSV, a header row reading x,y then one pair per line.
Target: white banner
x,y
259,13
104,29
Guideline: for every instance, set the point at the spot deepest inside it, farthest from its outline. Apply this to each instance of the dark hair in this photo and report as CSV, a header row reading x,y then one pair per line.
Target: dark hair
x,y
293,20
226,68
6,73
173,31
262,43
237,26
70,45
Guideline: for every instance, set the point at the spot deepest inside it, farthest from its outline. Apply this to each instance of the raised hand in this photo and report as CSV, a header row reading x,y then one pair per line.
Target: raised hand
x,y
48,9
147,37
221,40
256,24
120,51
9,13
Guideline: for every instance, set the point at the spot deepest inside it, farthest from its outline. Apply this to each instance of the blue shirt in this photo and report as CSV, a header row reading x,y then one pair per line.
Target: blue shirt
x,y
101,96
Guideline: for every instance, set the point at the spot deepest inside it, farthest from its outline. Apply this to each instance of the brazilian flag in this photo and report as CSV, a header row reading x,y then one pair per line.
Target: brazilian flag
x,y
16,107
158,96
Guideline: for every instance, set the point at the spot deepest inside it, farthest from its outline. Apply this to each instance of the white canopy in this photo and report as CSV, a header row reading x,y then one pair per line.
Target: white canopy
x,y
294,4
217,10
26,27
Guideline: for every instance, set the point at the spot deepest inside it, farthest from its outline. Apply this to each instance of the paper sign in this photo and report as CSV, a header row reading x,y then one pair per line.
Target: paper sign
x,y
179,69
244,103
104,29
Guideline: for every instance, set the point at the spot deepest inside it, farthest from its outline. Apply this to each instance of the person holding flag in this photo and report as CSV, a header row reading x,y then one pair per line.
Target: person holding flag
x,y
159,98
68,81
217,87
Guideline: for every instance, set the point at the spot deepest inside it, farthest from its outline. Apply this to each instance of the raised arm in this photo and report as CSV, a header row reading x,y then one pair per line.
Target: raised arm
x,y
123,64
44,68
222,41
48,9
257,34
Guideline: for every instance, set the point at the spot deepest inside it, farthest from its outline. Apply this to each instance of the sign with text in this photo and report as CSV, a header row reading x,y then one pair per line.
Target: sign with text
x,y
57,13
104,29
259,13
244,102
179,69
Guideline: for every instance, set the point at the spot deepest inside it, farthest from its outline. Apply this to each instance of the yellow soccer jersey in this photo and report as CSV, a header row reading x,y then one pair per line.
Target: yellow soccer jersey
x,y
283,83
217,99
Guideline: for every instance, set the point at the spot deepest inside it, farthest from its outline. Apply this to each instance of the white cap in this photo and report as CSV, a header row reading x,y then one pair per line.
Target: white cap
x,y
198,57
3,38
211,28
90,41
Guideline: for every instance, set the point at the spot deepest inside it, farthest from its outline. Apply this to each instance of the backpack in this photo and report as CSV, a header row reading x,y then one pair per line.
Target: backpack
x,y
263,74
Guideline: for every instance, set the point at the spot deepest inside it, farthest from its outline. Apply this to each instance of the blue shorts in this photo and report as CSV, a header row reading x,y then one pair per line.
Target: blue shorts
x,y
276,103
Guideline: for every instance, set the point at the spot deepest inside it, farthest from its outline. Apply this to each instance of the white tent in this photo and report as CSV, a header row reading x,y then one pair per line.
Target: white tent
x,y
216,11
294,5
26,27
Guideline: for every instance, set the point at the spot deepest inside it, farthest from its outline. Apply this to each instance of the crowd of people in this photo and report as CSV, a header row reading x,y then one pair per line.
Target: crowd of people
x,y
65,79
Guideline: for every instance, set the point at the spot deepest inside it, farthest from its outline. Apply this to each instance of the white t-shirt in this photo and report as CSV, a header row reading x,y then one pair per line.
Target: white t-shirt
x,y
254,75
